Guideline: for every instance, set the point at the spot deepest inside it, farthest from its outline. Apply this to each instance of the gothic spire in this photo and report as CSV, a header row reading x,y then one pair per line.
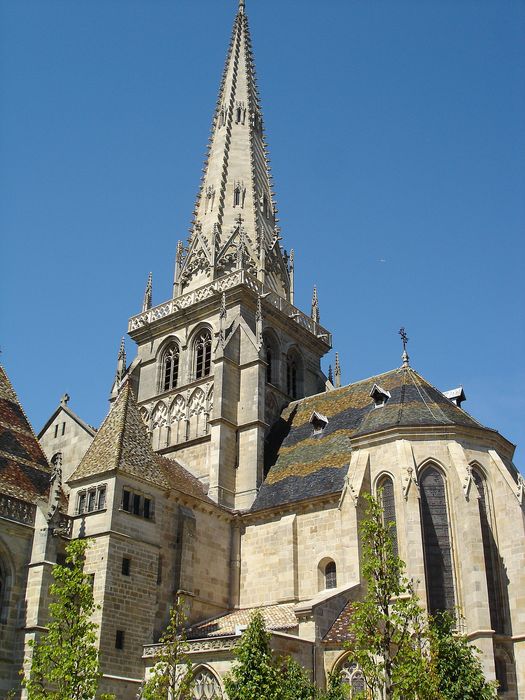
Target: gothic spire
x,y
337,371
146,304
121,363
316,316
236,181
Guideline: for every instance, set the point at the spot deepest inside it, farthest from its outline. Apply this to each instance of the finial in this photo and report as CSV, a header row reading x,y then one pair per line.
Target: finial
x,y
64,400
241,6
121,362
315,307
337,371
404,356
146,304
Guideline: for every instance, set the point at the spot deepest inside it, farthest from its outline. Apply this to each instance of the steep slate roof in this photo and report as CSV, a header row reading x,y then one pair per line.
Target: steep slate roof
x,y
276,617
338,632
24,469
301,465
123,444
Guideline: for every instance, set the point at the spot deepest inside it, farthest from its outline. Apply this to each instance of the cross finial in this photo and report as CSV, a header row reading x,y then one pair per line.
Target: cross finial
x,y
64,400
404,339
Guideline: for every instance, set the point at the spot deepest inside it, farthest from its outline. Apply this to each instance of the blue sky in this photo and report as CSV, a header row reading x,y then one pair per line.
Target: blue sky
x,y
398,151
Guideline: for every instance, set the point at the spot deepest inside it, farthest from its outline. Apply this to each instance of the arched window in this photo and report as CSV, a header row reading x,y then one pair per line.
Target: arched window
x,y
386,489
490,552
436,541
237,196
170,367
206,686
352,677
203,354
330,575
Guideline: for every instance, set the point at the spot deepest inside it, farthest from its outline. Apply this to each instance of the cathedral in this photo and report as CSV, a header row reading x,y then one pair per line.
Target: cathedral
x,y
230,468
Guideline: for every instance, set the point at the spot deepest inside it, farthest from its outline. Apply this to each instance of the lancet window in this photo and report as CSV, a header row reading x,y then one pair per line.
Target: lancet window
x,y
386,490
170,367
490,552
293,375
206,686
203,354
436,541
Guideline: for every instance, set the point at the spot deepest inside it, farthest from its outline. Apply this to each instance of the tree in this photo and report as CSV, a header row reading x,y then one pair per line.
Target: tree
x,y
64,664
459,670
388,627
255,673
295,683
172,675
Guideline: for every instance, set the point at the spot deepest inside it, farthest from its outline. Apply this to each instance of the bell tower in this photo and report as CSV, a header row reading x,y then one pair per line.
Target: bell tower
x,y
218,362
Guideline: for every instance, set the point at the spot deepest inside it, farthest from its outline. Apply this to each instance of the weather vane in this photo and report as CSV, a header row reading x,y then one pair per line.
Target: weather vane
x,y
404,338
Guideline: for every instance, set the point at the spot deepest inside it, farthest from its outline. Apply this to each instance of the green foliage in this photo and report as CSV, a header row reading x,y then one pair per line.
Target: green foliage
x,y
457,662
295,683
388,627
64,664
172,675
255,673
336,689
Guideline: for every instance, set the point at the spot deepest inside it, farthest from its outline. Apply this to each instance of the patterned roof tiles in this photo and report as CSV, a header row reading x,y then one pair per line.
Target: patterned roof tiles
x,y
338,632
302,464
24,469
276,617
123,444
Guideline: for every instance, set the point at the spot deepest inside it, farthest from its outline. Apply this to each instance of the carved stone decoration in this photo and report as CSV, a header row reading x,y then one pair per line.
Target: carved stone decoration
x,y
408,479
206,686
209,199
55,485
521,489
17,510
352,677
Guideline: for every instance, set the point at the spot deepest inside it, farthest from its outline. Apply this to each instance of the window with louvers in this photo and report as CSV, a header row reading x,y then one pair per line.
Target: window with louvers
x,y
490,553
386,486
171,368
436,542
203,355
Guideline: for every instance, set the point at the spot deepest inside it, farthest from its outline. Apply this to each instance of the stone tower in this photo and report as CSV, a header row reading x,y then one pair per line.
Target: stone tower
x,y
218,361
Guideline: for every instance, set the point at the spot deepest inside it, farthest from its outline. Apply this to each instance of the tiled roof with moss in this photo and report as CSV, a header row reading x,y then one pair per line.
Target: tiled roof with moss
x,y
302,464
24,469
276,617
123,444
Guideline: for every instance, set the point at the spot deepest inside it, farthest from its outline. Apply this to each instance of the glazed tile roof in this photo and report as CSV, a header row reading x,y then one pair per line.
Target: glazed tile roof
x,y
302,465
276,617
24,469
338,632
123,444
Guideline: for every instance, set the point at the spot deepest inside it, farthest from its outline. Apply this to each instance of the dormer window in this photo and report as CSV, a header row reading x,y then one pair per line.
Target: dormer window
x,y
379,395
457,396
319,422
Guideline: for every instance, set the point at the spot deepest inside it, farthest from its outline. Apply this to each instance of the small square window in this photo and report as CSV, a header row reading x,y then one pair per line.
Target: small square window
x,y
126,566
101,498
119,639
136,504
126,500
81,504
91,501
147,508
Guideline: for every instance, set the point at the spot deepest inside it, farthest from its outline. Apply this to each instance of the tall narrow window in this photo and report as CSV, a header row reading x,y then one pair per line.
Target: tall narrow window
x,y
436,542
386,488
330,575
170,367
268,364
237,196
203,354
3,593
490,553
291,377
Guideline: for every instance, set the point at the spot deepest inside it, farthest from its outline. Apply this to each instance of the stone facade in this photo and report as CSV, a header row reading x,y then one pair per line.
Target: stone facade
x,y
230,469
